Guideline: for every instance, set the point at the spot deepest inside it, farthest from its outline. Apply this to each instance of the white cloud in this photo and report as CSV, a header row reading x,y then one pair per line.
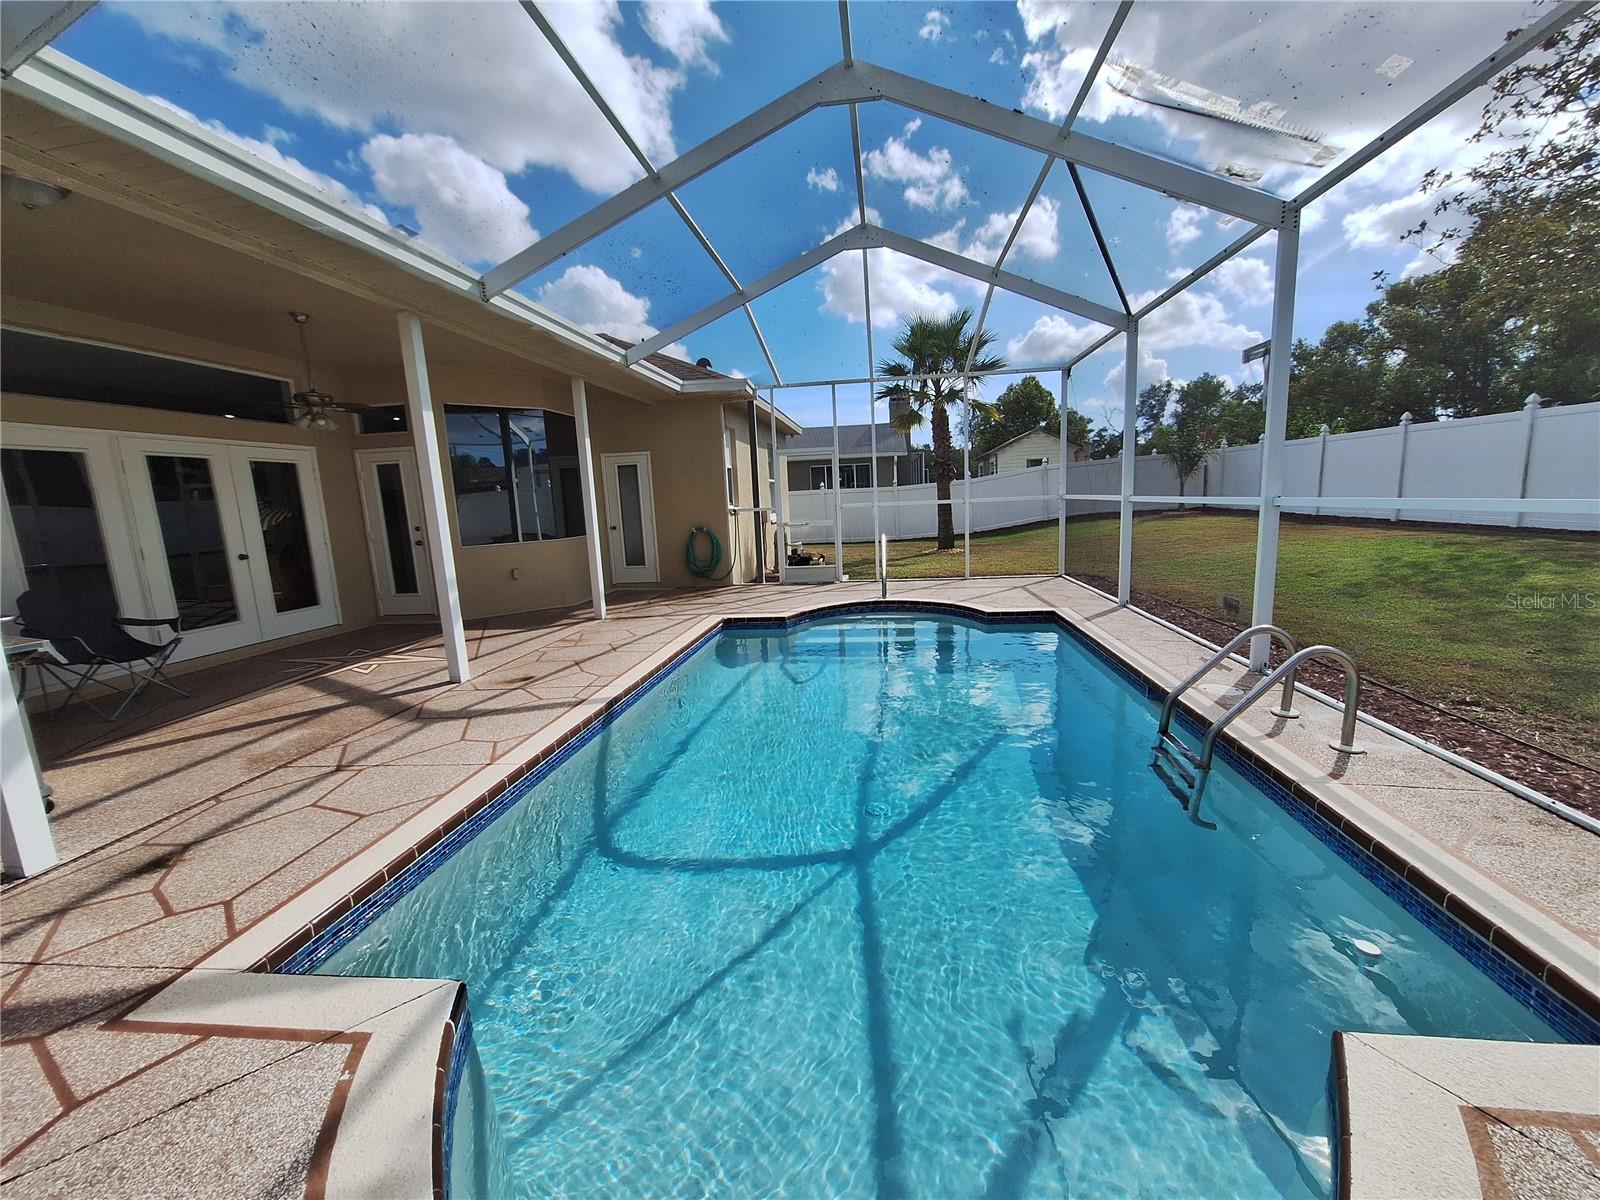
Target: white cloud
x,y
1053,339
501,93
1192,318
588,297
934,23
684,28
278,137
901,286
1248,280
998,56
463,205
1039,238
1183,226
931,179
823,181
268,152
1381,225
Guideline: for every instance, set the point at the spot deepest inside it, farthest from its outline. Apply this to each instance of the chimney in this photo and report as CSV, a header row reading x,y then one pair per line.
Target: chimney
x,y
898,407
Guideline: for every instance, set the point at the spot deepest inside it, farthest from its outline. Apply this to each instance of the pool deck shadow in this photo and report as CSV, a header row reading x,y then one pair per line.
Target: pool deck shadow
x,y
201,831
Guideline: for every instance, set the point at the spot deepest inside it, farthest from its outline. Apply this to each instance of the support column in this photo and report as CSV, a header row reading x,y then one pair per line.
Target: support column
x,y
1279,358
756,522
591,510
1530,421
838,513
1061,480
1130,450
966,486
1400,469
779,525
26,845
436,516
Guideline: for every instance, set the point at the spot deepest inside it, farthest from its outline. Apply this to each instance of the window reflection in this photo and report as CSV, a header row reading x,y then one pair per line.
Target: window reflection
x,y
515,473
54,520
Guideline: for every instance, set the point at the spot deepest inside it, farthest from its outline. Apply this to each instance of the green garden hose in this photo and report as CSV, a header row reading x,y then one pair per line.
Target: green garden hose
x,y
704,567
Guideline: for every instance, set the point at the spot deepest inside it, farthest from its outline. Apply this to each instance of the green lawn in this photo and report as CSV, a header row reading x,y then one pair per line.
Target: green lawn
x,y
1460,616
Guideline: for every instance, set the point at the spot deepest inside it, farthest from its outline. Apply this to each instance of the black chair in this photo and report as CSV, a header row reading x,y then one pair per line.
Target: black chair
x,y
88,636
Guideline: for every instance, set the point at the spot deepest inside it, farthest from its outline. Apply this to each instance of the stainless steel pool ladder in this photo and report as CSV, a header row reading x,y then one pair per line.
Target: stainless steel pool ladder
x,y
1170,754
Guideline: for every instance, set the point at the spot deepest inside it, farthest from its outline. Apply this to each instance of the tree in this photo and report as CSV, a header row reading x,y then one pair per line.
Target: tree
x,y
1023,407
1190,434
931,373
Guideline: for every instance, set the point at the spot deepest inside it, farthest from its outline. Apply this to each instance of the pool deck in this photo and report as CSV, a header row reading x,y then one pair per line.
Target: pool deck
x,y
141,1055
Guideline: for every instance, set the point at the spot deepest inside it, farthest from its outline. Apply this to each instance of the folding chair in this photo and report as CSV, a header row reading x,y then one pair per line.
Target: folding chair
x,y
87,636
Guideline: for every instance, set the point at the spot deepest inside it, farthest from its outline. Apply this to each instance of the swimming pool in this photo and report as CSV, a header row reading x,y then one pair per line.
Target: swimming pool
x,y
893,905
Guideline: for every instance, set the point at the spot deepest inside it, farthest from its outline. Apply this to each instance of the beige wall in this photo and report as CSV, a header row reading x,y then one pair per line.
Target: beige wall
x,y
341,498
1037,444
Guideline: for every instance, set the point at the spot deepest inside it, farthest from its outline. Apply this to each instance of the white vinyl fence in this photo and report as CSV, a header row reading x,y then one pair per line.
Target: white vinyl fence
x,y
1537,453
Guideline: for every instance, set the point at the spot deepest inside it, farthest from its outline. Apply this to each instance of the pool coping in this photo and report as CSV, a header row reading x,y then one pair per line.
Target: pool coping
x,y
1523,951
1415,1114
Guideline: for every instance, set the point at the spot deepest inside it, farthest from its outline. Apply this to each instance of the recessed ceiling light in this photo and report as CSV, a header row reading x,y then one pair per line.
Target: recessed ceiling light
x,y
230,416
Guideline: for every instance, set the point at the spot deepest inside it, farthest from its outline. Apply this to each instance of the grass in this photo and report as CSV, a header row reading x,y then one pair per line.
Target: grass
x,y
1470,618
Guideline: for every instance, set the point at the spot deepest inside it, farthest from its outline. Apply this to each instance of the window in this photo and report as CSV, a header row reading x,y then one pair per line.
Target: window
x,y
855,475
819,479
384,419
727,465
54,521
515,474
1037,462
37,365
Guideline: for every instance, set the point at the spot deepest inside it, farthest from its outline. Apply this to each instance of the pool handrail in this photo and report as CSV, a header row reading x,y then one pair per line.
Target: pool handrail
x,y
1352,699
1286,705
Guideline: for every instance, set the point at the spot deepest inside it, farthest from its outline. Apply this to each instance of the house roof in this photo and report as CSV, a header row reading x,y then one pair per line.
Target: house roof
x,y
1012,441
676,367
854,440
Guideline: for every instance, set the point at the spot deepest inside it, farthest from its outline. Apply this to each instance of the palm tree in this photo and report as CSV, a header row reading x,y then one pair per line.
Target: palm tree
x,y
939,360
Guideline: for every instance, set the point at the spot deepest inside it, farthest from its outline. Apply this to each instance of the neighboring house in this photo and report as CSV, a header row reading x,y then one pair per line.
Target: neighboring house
x,y
808,458
1032,449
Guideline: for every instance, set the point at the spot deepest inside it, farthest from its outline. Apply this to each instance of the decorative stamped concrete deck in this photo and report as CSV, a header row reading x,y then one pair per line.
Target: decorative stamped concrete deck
x,y
142,1057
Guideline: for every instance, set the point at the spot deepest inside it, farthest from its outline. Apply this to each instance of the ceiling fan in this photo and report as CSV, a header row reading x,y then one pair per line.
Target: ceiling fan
x,y
313,408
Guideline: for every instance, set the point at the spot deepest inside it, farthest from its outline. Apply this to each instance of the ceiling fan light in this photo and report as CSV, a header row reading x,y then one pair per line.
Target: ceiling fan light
x,y
303,421
324,422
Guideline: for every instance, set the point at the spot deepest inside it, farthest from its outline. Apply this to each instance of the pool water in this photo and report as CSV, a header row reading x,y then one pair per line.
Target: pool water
x,y
894,906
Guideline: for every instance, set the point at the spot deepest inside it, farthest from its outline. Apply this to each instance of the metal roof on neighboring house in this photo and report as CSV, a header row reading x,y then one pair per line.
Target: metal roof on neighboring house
x,y
853,440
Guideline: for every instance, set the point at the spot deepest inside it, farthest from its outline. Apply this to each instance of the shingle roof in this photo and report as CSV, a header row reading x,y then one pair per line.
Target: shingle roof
x,y
675,367
853,440
996,449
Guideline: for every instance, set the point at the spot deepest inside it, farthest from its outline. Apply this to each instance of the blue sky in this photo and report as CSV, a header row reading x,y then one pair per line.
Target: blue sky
x,y
457,121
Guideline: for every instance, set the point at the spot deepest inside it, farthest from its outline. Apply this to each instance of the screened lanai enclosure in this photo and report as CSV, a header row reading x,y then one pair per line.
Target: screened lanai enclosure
x,y
1226,123
891,160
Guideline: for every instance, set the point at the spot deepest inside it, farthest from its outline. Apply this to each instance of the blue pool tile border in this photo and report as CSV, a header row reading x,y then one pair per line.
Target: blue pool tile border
x,y
1535,984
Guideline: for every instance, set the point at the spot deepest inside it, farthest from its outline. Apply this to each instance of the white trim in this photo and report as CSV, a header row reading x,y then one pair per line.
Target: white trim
x,y
421,417
390,602
591,511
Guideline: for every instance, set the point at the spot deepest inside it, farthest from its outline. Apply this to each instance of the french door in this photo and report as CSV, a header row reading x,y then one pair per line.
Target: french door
x,y
391,500
631,518
232,538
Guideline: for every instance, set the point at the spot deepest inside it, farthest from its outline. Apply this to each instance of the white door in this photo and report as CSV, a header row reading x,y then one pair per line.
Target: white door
x,y
232,538
392,502
631,518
